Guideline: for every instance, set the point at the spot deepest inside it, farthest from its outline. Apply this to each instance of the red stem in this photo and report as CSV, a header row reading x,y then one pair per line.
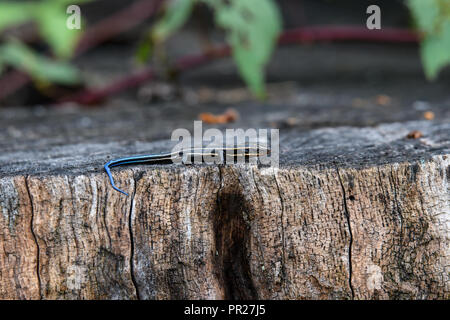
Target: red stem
x,y
94,96
347,33
117,23
89,96
299,35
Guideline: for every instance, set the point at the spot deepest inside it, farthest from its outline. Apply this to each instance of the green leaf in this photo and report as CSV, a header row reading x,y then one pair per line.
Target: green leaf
x,y
51,17
176,14
425,12
253,27
433,19
436,52
143,52
14,13
39,67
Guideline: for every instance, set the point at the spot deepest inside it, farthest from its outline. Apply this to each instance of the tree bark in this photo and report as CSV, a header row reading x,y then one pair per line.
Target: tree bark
x,y
351,213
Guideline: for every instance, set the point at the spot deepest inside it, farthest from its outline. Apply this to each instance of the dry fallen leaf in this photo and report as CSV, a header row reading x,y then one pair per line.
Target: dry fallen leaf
x,y
383,100
228,116
414,134
429,115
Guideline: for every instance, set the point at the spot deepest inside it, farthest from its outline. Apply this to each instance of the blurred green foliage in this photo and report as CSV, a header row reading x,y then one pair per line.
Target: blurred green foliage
x,y
432,17
252,28
39,67
50,17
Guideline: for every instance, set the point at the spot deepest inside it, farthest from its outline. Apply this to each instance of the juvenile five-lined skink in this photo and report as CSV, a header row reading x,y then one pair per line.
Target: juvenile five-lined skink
x,y
169,157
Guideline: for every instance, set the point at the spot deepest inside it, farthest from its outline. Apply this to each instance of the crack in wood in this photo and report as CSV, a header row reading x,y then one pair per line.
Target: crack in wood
x,y
347,216
131,235
283,241
34,237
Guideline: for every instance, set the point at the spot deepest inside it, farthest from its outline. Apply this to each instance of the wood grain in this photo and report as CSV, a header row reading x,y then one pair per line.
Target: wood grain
x,y
351,213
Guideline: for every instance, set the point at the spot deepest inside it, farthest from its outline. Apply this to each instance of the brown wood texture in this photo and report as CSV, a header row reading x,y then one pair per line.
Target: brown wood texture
x,y
351,213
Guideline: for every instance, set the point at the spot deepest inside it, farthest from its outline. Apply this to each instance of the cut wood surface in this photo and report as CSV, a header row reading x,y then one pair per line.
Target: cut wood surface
x,y
351,213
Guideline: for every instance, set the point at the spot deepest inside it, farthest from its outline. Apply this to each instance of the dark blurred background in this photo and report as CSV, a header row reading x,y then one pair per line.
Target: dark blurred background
x,y
310,84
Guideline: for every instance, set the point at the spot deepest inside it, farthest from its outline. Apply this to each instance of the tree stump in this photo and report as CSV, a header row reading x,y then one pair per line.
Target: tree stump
x,y
351,213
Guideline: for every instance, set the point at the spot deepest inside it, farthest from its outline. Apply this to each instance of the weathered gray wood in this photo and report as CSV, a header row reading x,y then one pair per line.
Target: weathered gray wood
x,y
351,213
